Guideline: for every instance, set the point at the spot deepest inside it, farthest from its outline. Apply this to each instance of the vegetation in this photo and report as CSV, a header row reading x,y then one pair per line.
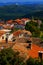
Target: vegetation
x,y
9,57
41,27
33,28
32,61
20,11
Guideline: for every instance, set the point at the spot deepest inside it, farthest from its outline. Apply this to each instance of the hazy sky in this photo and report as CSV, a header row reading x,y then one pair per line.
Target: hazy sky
x,y
20,0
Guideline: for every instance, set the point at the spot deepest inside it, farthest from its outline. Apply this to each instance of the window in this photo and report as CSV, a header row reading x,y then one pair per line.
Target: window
x,y
29,41
25,33
2,47
3,37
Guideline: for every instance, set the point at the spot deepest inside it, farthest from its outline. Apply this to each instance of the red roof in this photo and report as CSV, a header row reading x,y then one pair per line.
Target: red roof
x,y
30,52
1,24
2,32
21,31
18,21
10,21
24,19
34,51
17,33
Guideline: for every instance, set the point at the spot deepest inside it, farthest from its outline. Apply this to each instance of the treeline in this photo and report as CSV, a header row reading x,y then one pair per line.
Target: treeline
x,y
20,11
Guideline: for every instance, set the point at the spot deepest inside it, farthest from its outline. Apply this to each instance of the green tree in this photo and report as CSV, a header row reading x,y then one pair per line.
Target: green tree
x,y
32,61
41,27
33,28
9,57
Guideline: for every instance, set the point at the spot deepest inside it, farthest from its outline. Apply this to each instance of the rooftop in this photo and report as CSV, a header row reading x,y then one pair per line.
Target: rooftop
x,y
34,51
21,31
30,52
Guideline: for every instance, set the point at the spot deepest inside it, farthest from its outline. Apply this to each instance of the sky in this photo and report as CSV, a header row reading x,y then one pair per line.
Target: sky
x,y
1,1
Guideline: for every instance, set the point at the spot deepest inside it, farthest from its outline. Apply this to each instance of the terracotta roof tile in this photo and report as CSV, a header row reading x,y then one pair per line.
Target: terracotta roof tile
x,y
2,32
18,21
30,52
21,31
17,33
34,51
24,19
10,21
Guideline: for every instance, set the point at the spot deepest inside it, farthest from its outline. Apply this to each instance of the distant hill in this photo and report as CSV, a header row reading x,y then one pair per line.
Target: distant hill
x,y
19,11
21,3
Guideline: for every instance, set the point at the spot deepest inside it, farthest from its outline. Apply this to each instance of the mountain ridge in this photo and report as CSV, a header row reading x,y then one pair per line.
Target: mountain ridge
x,y
20,11
20,3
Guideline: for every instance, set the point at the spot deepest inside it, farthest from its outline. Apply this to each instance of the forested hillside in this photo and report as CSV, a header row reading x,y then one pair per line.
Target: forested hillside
x,y
19,11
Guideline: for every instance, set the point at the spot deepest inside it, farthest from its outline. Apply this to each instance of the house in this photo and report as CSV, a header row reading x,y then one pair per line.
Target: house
x,y
17,33
21,48
8,26
10,38
25,20
34,52
1,25
26,49
9,21
29,50
18,21
22,36
19,26
3,34
22,33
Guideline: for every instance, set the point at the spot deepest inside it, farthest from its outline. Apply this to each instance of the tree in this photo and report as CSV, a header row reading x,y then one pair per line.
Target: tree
x,y
33,28
41,27
32,61
9,57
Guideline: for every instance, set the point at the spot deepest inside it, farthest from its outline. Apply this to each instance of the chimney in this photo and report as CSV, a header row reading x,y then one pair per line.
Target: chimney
x,y
40,53
6,38
29,44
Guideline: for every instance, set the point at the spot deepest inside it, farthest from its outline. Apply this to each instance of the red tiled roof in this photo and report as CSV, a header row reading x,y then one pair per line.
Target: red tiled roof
x,y
34,51
18,21
2,32
17,33
21,31
30,52
7,27
24,19
10,21
1,24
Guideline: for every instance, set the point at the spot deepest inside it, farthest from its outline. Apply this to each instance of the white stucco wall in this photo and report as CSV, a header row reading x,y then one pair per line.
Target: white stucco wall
x,y
10,37
27,21
4,35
